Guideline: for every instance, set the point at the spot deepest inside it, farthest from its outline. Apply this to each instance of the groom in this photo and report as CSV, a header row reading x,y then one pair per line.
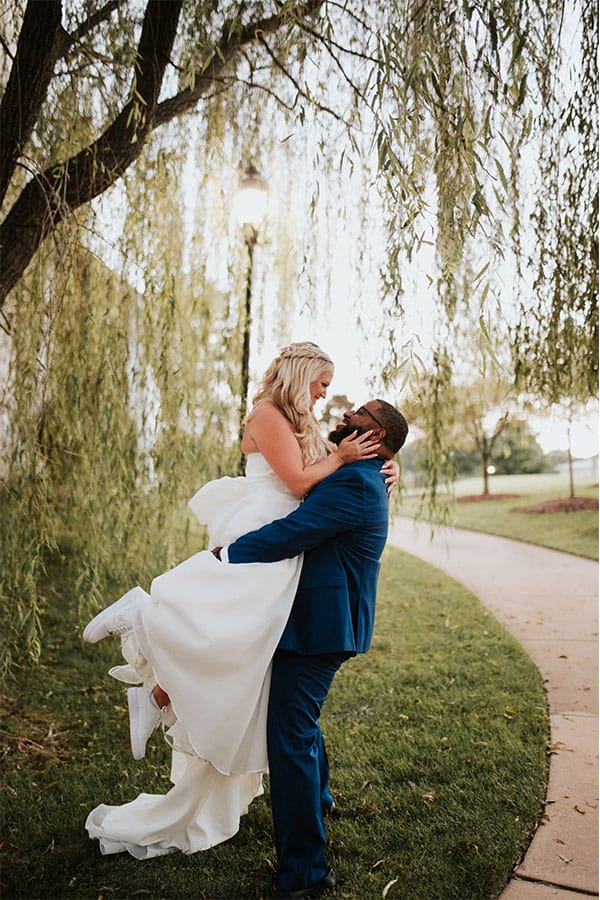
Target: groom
x,y
342,528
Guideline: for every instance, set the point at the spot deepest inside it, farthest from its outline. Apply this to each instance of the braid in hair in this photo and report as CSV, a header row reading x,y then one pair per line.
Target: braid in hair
x,y
287,384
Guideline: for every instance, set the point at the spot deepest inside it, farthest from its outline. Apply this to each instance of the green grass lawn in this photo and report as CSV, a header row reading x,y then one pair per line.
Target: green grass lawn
x,y
572,532
437,741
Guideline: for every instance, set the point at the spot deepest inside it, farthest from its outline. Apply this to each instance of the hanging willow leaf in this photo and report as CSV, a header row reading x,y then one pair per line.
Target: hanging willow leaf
x,y
481,272
501,174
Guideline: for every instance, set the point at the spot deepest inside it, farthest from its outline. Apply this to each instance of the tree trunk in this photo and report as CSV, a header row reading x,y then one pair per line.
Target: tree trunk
x,y
28,82
485,458
570,461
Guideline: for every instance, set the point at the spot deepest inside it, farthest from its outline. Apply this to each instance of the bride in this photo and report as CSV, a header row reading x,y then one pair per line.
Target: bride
x,y
203,640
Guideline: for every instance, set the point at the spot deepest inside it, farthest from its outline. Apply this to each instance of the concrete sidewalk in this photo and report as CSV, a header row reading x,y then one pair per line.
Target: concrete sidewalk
x,y
549,601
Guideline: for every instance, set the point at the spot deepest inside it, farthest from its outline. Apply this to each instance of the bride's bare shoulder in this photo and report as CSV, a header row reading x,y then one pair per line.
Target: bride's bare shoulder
x,y
265,411
265,425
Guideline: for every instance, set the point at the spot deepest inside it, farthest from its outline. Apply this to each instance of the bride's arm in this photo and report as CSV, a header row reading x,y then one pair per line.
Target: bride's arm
x,y
270,433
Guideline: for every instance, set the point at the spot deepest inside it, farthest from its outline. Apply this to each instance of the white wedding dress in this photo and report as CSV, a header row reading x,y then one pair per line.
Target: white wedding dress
x,y
207,634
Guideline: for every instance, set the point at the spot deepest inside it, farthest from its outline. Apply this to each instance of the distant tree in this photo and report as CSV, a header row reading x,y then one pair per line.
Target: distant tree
x,y
478,415
481,426
414,455
466,462
517,452
571,407
556,458
333,411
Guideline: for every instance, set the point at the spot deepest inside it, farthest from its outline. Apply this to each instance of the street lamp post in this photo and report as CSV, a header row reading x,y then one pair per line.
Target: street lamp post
x,y
250,208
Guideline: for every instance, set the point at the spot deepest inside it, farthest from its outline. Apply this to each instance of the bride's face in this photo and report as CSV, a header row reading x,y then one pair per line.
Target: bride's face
x,y
318,388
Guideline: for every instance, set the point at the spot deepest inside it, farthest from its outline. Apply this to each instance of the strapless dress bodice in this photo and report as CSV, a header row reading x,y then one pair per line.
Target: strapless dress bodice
x,y
233,506
258,467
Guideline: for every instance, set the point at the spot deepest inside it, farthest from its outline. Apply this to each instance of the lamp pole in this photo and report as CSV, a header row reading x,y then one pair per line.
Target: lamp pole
x,y
250,205
251,235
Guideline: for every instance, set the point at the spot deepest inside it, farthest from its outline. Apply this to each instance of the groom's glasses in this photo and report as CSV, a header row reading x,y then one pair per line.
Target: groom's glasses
x,y
363,411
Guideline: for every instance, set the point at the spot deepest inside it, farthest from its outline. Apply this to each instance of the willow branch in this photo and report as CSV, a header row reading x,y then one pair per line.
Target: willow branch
x,y
228,80
95,19
328,45
67,39
231,43
344,8
6,48
298,87
329,42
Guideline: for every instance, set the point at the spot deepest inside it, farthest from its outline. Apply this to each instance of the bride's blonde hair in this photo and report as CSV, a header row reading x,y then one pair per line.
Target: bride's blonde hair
x,y
287,384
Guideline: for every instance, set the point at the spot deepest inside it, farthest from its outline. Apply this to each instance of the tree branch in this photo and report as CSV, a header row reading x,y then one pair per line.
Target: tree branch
x,y
329,42
90,23
232,42
25,92
343,7
500,426
52,195
228,80
6,48
298,87
328,45
67,40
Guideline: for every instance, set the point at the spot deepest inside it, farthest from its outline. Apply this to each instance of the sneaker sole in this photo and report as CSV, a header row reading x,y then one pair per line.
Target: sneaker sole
x,y
95,630
136,701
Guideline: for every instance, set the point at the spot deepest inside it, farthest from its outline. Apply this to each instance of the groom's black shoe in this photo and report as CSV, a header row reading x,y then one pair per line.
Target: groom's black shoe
x,y
315,890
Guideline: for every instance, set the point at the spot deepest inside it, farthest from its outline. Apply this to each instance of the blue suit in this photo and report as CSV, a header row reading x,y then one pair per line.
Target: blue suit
x,y
342,528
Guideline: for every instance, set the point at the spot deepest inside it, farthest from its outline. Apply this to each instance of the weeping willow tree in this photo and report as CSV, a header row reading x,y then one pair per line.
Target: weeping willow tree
x,y
122,274
556,339
112,412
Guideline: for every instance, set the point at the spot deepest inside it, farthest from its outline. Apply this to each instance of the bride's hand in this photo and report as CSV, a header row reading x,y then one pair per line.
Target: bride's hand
x,y
391,471
357,446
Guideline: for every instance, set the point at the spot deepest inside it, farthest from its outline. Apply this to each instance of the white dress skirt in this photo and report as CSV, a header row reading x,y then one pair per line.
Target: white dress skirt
x,y
207,633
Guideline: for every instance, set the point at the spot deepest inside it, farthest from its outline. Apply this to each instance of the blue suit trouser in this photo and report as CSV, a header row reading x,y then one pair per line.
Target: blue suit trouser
x,y
298,766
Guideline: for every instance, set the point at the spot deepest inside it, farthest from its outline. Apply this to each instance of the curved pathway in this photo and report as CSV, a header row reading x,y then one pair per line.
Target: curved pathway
x,y
549,601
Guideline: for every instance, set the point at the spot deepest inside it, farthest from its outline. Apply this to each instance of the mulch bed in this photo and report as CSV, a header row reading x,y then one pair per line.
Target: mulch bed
x,y
567,504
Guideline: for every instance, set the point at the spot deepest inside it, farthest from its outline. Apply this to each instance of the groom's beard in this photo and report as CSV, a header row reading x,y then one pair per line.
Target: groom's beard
x,y
338,434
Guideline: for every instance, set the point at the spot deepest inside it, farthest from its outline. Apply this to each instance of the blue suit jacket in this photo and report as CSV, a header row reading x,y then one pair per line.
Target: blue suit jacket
x,y
342,529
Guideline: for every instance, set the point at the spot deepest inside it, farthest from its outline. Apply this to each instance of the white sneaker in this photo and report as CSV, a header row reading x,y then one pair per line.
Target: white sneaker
x,y
144,716
116,619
